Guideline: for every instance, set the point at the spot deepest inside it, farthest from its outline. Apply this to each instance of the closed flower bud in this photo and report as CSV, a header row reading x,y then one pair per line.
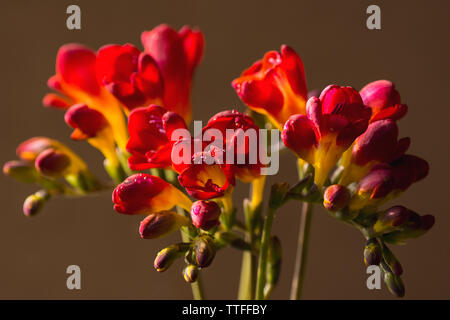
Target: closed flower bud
x,y
161,224
336,197
415,227
394,284
190,273
85,121
52,163
392,262
391,218
144,193
31,148
35,202
205,214
384,100
167,256
20,170
204,251
374,187
372,252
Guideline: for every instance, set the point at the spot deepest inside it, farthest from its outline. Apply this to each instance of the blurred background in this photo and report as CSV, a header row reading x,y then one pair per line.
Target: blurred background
x,y
411,49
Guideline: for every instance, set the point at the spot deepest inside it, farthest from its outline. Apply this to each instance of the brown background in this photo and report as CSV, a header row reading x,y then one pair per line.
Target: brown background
x,y
412,50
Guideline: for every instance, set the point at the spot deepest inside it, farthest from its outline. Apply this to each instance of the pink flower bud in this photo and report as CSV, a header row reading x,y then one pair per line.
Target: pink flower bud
x,y
161,224
205,214
52,163
336,197
384,100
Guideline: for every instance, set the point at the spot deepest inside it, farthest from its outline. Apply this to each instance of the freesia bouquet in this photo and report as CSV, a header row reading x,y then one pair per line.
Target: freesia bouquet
x,y
135,107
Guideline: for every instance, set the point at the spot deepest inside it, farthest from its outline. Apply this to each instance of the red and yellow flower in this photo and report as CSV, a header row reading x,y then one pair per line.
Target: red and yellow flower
x,y
161,74
242,145
275,86
132,76
386,181
76,82
150,142
177,55
379,144
331,124
205,177
146,194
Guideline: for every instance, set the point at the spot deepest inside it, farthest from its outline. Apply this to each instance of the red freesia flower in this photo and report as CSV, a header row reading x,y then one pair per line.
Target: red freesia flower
x,y
162,74
146,194
378,144
384,100
205,177
150,141
76,81
131,76
242,147
275,86
177,54
386,181
330,126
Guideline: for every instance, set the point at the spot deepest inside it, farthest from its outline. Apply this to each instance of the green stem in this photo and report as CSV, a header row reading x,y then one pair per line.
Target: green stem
x,y
248,269
262,264
197,286
302,251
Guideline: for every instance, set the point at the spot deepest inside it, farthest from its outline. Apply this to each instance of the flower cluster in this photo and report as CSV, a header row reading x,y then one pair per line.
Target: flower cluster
x,y
348,141
134,106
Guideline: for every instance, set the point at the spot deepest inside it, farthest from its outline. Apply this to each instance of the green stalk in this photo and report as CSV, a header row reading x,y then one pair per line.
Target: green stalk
x,y
197,286
248,269
302,245
262,265
302,251
252,210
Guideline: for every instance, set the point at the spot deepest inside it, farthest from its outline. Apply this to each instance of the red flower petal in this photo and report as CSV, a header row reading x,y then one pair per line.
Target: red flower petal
x,y
299,135
75,65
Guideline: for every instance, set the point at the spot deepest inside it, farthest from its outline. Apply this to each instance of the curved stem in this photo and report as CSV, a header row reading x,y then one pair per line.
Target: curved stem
x,y
262,265
302,251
